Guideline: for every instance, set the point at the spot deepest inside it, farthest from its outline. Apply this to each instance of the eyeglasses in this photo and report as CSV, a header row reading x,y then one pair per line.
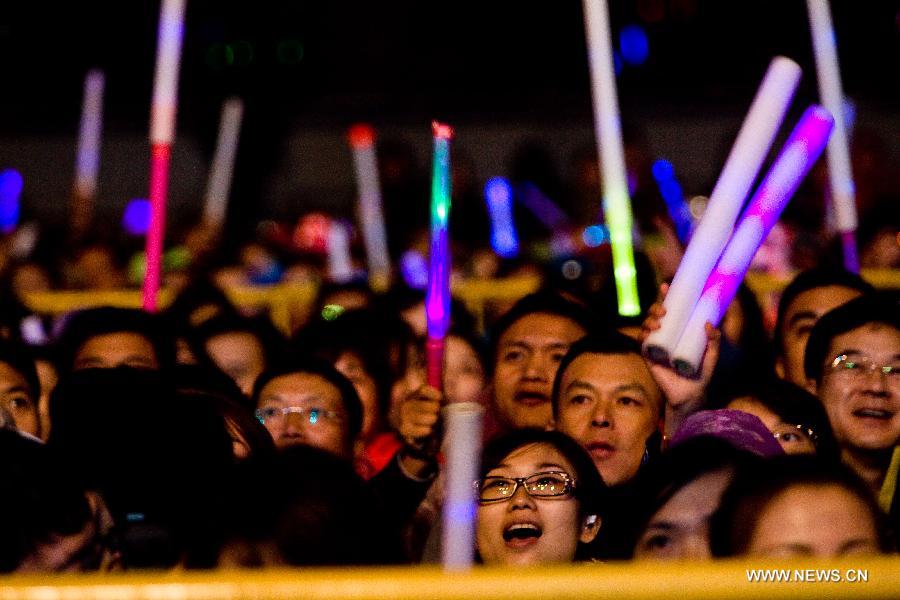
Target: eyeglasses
x,y
863,365
273,414
548,484
796,434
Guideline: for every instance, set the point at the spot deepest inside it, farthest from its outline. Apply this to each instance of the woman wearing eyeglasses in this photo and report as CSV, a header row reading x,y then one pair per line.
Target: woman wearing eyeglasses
x,y
540,500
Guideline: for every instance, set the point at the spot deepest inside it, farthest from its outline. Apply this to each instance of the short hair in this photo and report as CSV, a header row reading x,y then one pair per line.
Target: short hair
x,y
877,307
86,324
745,500
590,490
811,279
543,302
19,359
322,368
599,341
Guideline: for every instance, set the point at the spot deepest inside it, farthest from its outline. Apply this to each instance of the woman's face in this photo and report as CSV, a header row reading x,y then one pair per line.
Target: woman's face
x,y
680,528
351,367
524,530
814,520
793,440
464,379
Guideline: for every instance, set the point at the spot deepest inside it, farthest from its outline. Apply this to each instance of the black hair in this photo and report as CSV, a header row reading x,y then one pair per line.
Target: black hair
x,y
324,369
544,302
19,358
590,490
809,280
877,307
84,325
745,500
202,292
598,341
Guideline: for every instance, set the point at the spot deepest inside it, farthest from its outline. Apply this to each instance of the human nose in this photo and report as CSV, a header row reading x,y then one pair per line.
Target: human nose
x,y
601,415
536,367
520,497
295,423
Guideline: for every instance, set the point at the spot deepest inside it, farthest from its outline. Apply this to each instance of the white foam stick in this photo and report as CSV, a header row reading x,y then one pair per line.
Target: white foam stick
x,y
218,186
712,233
87,154
371,216
463,422
797,157
340,264
165,83
840,174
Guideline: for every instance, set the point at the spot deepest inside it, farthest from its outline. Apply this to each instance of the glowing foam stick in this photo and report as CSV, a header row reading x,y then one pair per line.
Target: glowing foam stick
x,y
797,157
664,174
616,202
840,175
87,153
218,185
712,233
498,195
11,184
340,265
162,133
463,422
371,216
437,297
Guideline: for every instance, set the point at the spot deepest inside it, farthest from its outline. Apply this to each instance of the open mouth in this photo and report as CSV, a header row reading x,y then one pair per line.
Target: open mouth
x,y
532,398
521,533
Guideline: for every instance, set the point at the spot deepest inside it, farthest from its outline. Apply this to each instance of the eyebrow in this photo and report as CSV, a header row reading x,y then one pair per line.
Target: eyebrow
x,y
527,345
800,316
15,388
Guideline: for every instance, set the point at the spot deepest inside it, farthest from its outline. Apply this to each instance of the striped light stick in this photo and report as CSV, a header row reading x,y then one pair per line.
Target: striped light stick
x,y
797,157
463,424
664,174
840,175
340,264
371,216
712,233
162,133
87,153
437,297
218,186
616,201
498,195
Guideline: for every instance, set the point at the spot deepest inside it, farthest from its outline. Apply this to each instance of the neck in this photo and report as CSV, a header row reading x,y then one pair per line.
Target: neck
x,y
870,465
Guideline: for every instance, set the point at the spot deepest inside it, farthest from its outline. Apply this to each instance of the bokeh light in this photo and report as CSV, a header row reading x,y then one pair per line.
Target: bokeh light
x,y
290,52
634,45
11,184
136,218
594,236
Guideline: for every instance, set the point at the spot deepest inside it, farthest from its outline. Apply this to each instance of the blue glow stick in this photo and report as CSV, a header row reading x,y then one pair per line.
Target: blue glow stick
x,y
664,174
504,240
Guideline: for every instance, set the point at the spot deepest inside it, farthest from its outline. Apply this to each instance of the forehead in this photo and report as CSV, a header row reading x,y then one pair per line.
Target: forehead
x,y
117,341
607,370
537,328
874,339
820,300
9,377
301,384
528,458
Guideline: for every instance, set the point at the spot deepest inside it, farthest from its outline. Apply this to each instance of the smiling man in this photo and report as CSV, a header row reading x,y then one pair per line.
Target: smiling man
x,y
852,363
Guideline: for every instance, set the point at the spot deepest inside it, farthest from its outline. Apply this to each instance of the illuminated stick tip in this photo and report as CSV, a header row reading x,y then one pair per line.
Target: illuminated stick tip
x,y
361,135
442,131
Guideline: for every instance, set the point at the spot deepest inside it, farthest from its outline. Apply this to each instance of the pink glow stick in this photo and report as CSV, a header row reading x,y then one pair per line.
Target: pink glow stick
x,y
797,157
162,133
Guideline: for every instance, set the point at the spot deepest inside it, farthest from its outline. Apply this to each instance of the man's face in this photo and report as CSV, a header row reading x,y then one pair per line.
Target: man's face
x,y
528,354
863,405
610,404
19,400
118,349
799,319
240,355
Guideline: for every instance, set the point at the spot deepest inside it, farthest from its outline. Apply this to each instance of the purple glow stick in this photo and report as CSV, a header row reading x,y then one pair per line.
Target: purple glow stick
x,y
797,157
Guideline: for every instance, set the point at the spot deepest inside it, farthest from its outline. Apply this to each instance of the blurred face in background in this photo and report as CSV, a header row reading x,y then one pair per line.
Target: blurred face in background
x,y
464,378
18,399
240,355
117,349
352,367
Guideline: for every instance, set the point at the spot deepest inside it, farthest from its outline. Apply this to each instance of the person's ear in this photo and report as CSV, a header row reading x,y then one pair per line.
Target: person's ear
x,y
812,387
589,529
551,424
779,367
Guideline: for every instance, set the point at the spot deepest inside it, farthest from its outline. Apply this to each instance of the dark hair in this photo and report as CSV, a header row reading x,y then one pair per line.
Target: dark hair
x,y
811,279
675,469
877,307
596,342
590,490
746,499
546,302
324,369
19,358
182,313
796,406
87,324
270,339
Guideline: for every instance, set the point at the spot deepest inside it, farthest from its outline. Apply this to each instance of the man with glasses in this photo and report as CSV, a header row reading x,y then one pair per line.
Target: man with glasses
x,y
852,362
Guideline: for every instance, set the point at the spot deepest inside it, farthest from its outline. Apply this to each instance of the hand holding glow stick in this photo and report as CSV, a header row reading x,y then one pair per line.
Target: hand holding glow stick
x,y
371,216
218,186
437,297
87,153
840,174
797,157
616,201
162,133
463,422
712,233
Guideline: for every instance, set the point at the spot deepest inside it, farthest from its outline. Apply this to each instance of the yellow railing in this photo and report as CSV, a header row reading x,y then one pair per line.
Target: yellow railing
x,y
859,577
287,304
